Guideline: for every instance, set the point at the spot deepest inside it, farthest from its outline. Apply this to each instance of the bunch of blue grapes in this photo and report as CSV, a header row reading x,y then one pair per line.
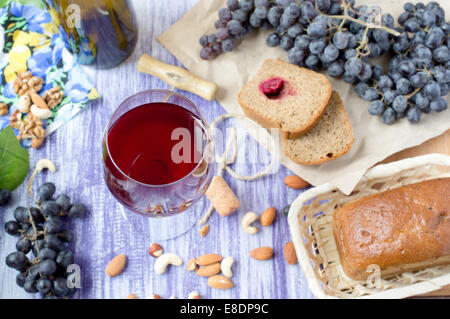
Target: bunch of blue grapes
x,y
342,38
42,253
418,77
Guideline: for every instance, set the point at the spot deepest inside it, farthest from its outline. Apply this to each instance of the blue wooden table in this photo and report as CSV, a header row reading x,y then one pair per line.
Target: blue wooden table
x,y
76,150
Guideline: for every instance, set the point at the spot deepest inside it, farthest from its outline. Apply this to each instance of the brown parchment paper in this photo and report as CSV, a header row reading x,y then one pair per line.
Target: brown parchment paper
x,y
374,141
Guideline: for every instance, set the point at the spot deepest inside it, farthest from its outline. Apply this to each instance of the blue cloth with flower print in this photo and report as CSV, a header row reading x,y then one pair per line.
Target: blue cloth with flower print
x,y
29,41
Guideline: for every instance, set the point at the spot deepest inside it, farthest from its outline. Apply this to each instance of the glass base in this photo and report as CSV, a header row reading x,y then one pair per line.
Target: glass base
x,y
157,229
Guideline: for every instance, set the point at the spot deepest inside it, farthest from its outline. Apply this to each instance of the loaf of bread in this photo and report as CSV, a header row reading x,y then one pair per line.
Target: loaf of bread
x,y
331,138
400,230
285,96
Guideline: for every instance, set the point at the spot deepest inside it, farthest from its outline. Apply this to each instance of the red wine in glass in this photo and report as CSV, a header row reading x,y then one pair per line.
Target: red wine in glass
x,y
155,158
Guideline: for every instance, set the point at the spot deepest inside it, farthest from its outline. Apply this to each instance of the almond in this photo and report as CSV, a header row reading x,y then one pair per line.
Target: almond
x,y
38,101
116,265
295,182
220,282
208,259
155,296
194,295
268,216
210,270
131,296
289,253
262,253
191,264
204,231
155,250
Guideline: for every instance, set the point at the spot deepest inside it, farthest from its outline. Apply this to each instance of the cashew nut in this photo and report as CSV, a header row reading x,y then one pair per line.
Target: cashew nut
x,y
167,259
45,164
42,114
225,266
247,220
24,103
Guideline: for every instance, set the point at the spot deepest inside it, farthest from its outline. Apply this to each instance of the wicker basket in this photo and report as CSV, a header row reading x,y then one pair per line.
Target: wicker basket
x,y
310,219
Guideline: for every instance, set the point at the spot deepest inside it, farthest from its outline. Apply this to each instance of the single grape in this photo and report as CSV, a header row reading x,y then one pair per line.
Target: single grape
x,y
376,107
273,39
353,66
434,37
350,53
247,5
261,12
302,41
262,3
30,287
389,96
408,6
307,10
441,54
401,45
37,216
375,50
413,115
5,196
336,69
412,25
20,279
360,88
23,245
323,5
331,52
295,30
47,253
53,242
219,24
293,10
225,15
60,286
233,4
428,18
385,82
388,116
287,42
432,90
370,94
240,15
43,285
286,21
212,39
377,71
317,46
21,214
65,258
274,15
421,101
335,9
340,40
17,260
12,227
438,105
235,28
388,20
418,80
403,17
228,45
46,191
312,61
47,267
40,245
403,86
52,225
296,56
255,21
366,72
348,78
444,88
317,30
400,104
50,207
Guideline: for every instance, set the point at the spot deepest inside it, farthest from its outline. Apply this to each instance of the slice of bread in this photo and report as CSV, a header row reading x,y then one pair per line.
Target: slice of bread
x,y
304,98
331,138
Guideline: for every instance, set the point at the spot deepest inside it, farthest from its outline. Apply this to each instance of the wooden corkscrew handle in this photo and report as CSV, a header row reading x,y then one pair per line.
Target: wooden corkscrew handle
x,y
178,77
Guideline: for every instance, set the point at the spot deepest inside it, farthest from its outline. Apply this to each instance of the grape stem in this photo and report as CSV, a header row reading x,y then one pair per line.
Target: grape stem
x,y
363,23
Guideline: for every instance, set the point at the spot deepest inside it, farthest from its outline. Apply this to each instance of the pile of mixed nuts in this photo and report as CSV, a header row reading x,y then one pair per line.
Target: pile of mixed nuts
x,y
31,107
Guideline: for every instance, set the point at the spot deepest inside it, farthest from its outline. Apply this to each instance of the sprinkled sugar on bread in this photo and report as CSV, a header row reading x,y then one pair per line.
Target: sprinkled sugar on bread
x,y
285,96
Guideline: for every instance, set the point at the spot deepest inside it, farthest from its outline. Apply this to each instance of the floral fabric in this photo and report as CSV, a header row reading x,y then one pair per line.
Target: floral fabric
x,y
30,41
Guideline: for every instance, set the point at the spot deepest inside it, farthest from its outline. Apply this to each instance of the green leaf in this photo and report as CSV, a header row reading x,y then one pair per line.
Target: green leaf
x,y
14,160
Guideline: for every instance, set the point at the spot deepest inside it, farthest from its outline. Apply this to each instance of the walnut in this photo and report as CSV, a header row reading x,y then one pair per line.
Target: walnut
x,y
31,127
25,83
15,120
3,109
53,96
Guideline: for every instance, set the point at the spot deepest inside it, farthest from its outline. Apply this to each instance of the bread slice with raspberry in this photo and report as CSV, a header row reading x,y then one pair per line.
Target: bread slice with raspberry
x,y
331,138
285,96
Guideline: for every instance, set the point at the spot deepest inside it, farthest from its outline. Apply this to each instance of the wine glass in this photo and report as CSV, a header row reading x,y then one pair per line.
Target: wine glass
x,y
144,168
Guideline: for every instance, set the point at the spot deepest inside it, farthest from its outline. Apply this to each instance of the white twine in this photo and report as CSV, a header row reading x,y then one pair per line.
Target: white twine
x,y
223,161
